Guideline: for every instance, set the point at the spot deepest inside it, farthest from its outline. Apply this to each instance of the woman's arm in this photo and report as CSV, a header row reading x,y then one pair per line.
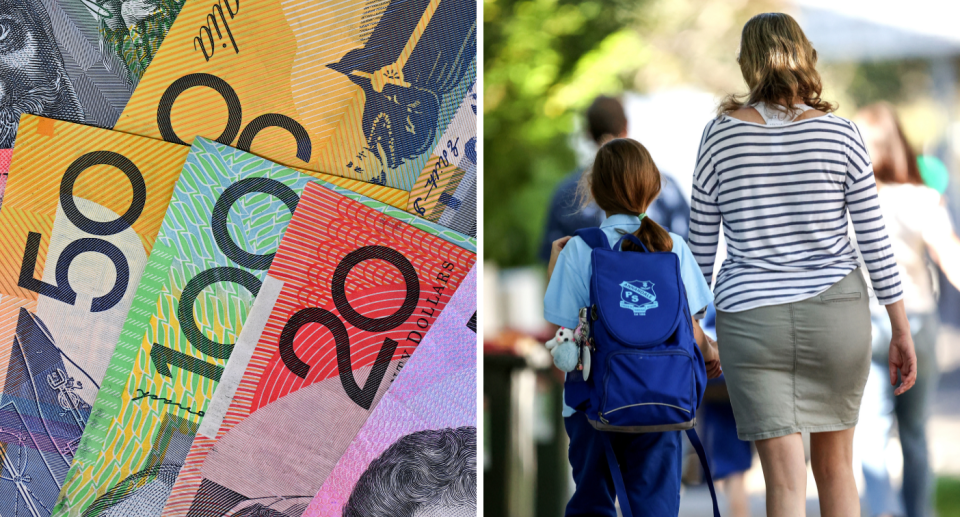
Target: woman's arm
x,y
860,193
902,356
705,215
863,206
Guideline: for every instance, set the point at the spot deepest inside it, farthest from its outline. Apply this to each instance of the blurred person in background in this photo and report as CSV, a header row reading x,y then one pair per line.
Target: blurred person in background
x,y
607,120
919,227
779,173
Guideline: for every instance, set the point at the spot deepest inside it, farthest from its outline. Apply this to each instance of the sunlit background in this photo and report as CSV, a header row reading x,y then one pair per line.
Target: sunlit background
x,y
670,61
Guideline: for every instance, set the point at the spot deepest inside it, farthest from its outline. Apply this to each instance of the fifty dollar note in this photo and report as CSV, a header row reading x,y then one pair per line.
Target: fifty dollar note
x,y
83,208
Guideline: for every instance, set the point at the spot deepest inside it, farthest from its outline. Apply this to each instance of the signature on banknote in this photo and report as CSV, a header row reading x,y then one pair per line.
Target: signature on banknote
x,y
145,394
442,163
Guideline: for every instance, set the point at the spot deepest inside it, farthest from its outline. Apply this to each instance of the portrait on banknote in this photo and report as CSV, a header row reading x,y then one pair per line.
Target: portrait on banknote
x,y
75,61
32,74
423,474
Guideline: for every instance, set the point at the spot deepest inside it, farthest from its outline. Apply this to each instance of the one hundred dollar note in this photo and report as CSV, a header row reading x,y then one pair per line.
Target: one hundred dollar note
x,y
228,213
348,298
76,60
418,450
82,212
364,89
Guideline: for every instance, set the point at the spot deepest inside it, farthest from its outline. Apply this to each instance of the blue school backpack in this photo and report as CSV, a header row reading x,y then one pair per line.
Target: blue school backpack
x,y
646,373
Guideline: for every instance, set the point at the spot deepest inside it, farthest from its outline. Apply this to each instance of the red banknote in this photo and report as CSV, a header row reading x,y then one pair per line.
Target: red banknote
x,y
350,294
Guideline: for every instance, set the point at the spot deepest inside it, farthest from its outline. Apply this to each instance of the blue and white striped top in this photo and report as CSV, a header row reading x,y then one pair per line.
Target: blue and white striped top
x,y
782,193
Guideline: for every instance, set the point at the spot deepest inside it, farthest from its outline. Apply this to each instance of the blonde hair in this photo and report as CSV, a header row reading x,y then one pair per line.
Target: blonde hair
x,y
624,180
778,63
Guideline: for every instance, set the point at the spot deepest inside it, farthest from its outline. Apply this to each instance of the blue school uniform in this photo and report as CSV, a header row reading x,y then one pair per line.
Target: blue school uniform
x,y
650,463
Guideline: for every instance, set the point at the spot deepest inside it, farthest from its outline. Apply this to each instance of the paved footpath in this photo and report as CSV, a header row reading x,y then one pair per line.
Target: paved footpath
x,y
696,503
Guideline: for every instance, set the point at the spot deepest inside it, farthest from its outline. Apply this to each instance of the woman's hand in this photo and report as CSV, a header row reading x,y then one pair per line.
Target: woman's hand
x,y
903,358
555,250
711,357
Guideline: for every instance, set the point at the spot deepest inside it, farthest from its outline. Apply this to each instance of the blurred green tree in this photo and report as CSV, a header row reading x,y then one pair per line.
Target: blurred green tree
x,y
546,60
543,61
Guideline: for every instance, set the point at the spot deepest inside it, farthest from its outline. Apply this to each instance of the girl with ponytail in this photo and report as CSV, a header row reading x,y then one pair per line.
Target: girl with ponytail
x,y
624,182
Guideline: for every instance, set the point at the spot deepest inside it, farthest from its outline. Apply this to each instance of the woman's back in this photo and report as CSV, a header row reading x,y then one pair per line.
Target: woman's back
x,y
783,192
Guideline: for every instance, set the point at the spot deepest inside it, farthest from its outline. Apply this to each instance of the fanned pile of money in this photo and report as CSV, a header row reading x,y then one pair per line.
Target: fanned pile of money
x,y
219,256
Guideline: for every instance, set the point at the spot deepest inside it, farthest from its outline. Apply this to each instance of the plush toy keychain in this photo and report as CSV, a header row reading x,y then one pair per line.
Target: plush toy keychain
x,y
568,354
564,349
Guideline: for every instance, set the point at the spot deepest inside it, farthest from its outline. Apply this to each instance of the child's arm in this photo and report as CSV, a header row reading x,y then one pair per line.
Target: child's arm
x,y
555,250
709,350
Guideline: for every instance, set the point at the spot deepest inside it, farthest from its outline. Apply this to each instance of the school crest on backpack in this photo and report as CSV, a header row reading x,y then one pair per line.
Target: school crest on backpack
x,y
638,296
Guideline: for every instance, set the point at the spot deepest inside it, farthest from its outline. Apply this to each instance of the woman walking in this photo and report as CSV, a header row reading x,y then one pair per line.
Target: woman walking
x,y
780,173
919,226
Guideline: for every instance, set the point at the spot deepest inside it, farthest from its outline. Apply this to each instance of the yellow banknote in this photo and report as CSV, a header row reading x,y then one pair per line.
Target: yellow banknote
x,y
82,209
363,89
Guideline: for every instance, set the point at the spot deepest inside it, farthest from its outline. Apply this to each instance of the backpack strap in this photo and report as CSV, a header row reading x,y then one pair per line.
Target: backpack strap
x,y
697,446
617,476
594,237
632,238
622,489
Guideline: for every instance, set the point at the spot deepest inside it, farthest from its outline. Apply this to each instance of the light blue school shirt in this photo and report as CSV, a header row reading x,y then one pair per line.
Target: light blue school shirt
x,y
569,287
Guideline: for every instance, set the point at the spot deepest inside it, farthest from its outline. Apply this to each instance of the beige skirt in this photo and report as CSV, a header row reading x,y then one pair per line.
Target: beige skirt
x,y
798,366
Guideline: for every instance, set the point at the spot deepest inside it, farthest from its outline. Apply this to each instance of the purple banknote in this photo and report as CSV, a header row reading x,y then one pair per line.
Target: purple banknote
x,y
417,453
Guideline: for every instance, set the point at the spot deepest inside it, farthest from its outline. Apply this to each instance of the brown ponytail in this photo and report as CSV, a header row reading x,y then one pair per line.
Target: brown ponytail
x,y
624,180
652,235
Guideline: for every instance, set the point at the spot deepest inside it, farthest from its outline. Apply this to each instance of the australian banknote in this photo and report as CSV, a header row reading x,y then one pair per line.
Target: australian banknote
x,y
218,238
76,60
5,155
365,89
418,449
446,190
348,298
82,212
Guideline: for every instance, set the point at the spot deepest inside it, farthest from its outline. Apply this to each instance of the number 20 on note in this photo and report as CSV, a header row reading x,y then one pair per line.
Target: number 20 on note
x,y
163,356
